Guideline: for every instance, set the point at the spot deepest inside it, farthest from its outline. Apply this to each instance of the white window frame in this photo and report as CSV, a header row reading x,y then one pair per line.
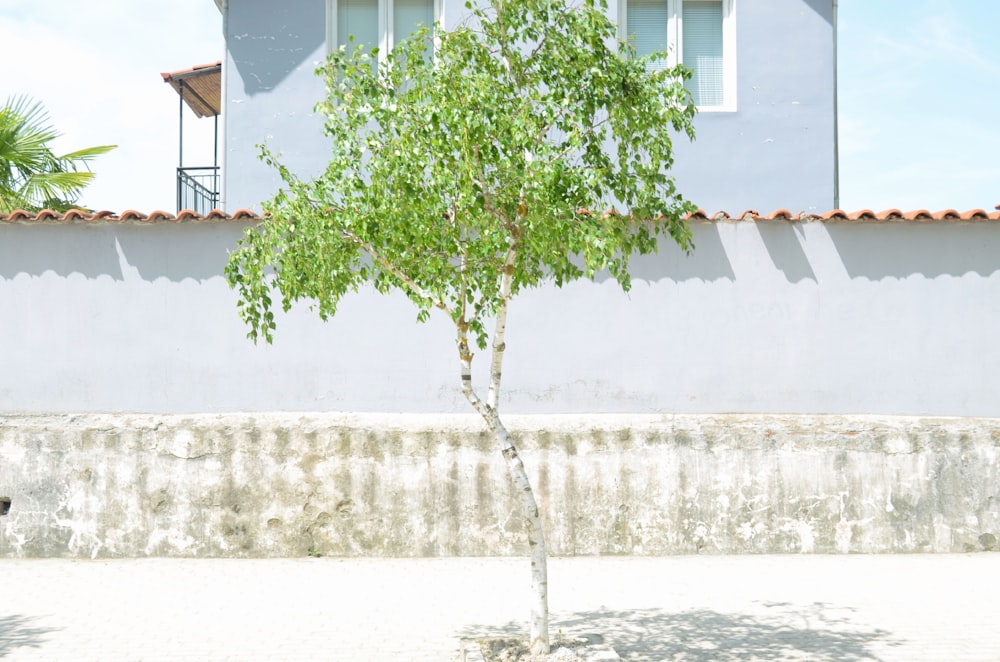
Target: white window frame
x,y
385,25
675,41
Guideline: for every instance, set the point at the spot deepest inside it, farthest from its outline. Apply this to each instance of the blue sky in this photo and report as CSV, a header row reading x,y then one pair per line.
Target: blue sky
x,y
919,107
919,87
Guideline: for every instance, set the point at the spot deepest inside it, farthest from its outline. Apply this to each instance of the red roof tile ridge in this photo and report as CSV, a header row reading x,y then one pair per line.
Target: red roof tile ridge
x,y
76,215
696,215
46,215
783,214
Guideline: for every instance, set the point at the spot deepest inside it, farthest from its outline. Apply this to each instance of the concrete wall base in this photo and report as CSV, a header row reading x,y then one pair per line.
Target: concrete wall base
x,y
275,485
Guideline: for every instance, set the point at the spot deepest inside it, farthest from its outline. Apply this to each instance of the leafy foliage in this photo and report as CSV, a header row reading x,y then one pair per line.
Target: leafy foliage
x,y
528,143
31,175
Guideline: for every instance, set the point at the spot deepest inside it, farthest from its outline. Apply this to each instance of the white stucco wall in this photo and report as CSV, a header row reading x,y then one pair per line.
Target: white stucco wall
x,y
809,317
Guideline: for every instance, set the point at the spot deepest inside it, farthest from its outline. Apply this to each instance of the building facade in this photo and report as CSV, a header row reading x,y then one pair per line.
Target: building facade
x,y
765,83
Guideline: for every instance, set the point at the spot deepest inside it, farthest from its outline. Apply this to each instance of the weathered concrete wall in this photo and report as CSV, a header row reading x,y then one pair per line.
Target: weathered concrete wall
x,y
285,484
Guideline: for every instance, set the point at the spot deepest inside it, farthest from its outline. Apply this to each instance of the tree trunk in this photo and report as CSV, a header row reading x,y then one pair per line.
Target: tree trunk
x,y
539,624
489,410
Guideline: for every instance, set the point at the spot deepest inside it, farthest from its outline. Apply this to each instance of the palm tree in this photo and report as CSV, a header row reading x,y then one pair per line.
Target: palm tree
x,y
32,177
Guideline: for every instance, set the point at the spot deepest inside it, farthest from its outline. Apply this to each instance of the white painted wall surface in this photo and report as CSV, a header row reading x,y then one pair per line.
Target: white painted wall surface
x,y
764,317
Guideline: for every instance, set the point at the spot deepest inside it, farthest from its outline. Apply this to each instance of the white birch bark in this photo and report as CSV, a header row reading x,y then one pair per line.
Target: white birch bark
x,y
489,410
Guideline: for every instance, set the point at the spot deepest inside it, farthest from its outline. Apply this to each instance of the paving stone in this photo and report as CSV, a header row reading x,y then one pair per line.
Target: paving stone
x,y
693,608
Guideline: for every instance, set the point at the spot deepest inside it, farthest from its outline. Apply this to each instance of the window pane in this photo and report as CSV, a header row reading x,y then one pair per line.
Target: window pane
x,y
701,25
409,15
358,18
647,24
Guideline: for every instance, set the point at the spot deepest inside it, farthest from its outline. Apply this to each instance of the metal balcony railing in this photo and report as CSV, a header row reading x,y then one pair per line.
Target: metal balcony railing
x,y
198,189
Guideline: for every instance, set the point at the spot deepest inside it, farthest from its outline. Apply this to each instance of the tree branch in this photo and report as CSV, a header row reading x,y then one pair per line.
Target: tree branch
x,y
465,361
500,328
407,282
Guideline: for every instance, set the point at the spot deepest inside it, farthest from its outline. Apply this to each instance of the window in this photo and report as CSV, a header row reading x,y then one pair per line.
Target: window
x,y
698,33
381,23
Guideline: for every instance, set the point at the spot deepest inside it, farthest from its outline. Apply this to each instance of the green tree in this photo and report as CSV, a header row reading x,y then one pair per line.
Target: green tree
x,y
32,177
528,146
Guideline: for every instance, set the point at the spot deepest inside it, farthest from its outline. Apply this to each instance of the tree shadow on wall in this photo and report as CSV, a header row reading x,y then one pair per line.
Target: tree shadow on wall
x,y
818,632
16,632
707,261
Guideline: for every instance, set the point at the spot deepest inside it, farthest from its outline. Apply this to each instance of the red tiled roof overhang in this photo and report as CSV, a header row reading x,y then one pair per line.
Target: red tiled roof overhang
x,y
833,216
127,216
203,87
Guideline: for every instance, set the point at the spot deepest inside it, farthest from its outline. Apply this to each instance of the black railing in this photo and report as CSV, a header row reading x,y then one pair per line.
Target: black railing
x,y
198,189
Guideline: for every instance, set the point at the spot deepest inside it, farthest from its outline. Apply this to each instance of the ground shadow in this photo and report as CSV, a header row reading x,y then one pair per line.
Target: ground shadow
x,y
16,632
778,631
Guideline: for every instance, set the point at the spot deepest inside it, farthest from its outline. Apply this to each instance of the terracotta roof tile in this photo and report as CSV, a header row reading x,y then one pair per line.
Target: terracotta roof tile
x,y
861,214
72,215
127,216
700,215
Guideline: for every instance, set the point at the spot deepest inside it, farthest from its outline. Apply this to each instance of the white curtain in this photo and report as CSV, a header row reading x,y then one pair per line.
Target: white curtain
x,y
701,26
358,18
648,22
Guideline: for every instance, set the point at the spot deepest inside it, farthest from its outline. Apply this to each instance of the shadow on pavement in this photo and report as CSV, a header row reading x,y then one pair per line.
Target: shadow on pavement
x,y
15,632
778,631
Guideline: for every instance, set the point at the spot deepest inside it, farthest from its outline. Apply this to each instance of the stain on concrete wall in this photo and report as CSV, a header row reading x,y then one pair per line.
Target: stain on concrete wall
x,y
270,485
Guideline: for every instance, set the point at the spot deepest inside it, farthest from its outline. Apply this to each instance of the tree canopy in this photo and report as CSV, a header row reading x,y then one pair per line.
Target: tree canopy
x,y
32,176
527,145
530,139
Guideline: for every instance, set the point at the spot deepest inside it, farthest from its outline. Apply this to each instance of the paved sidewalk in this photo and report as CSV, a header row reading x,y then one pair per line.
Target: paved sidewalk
x,y
704,608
